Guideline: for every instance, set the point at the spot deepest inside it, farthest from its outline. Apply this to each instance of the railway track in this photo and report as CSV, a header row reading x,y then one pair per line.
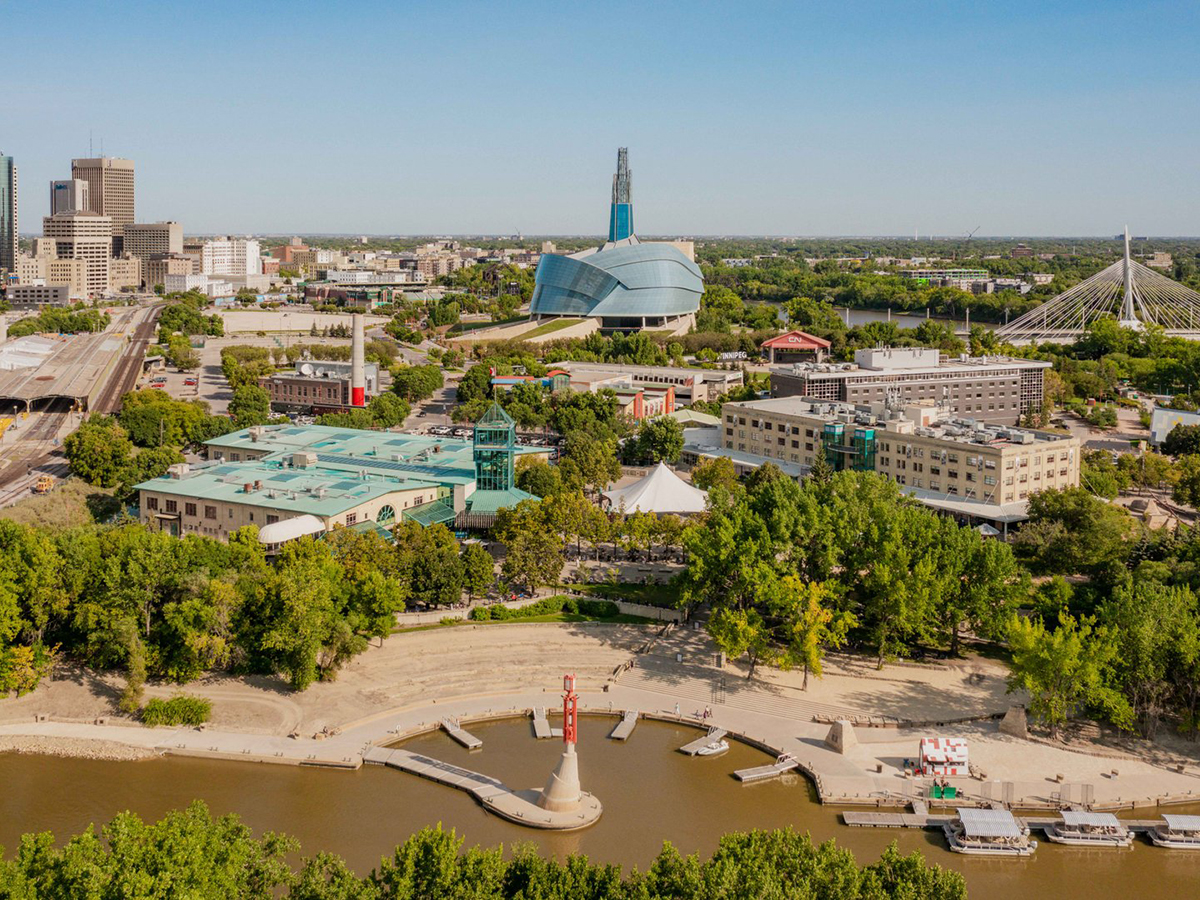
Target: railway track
x,y
124,376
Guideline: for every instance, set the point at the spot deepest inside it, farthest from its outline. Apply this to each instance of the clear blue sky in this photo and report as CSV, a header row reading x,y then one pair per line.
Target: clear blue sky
x,y
1024,118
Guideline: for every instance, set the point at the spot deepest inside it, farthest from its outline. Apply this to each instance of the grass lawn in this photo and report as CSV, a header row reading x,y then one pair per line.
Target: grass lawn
x,y
661,595
72,502
549,328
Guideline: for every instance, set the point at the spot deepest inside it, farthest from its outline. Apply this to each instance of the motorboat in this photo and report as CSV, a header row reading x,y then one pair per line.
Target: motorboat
x,y
714,748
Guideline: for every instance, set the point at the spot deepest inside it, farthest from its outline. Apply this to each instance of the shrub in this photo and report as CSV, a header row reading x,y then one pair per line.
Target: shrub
x,y
182,709
601,609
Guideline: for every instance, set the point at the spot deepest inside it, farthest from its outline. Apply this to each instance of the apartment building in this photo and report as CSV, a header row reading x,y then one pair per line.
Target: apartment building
x,y
990,388
919,447
109,189
85,236
231,256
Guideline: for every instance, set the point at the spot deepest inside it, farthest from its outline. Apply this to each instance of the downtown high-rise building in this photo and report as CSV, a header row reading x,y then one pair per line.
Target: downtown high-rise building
x,y
8,214
109,189
86,236
68,195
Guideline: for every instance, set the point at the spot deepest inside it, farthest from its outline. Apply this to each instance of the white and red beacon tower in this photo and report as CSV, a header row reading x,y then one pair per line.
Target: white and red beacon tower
x,y
562,792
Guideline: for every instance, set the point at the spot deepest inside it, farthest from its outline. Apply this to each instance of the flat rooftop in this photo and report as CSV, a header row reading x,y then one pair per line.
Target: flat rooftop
x,y
40,367
722,375
317,491
956,429
956,365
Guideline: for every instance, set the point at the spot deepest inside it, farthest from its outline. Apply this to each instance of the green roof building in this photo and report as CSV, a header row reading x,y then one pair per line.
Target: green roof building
x,y
294,480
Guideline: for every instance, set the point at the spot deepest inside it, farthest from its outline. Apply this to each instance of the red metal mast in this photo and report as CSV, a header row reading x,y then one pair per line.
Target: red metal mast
x,y
570,710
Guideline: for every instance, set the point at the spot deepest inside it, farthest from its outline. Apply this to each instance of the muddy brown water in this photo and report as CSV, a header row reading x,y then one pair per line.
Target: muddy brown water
x,y
650,793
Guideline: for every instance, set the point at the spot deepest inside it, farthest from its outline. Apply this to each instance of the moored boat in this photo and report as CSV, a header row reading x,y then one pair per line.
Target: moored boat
x,y
1089,829
716,748
988,832
1176,833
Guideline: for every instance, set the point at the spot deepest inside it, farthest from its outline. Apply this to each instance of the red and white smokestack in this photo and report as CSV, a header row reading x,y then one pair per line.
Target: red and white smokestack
x,y
358,359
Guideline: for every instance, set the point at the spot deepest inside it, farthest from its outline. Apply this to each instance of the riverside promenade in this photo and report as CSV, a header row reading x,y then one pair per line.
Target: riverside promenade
x,y
674,678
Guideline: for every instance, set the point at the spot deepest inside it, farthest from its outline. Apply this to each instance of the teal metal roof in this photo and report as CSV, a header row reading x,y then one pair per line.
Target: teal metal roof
x,y
439,512
484,502
313,491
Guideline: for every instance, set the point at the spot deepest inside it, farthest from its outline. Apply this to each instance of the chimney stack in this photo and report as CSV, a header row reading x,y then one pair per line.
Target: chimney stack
x,y
358,376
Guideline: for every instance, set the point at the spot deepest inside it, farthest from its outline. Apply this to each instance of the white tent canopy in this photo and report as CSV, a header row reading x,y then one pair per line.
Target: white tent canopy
x,y
290,529
661,491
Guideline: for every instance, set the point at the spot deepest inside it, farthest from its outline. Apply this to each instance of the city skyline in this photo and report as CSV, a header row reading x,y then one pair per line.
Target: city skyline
x,y
873,120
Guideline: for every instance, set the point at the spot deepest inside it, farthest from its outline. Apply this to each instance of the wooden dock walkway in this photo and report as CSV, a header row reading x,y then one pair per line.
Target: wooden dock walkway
x,y
465,738
762,773
694,747
541,725
624,728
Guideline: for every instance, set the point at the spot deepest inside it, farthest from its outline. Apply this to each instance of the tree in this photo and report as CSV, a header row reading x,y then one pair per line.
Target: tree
x,y
478,570
250,405
1071,532
432,558
741,632
1064,668
1183,440
659,439
533,547
809,625
715,472
821,471
1187,487
99,451
590,462
537,477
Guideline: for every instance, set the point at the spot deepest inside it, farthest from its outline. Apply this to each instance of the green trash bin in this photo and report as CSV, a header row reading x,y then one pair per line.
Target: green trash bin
x,y
949,792
935,792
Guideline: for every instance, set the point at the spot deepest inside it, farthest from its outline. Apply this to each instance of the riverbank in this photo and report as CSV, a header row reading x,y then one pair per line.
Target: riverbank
x,y
414,680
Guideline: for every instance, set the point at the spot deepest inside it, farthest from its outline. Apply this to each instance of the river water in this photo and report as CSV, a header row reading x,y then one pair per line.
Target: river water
x,y
650,793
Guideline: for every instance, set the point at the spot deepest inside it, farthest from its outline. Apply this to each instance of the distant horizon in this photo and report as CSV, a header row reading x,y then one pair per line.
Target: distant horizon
x,y
599,236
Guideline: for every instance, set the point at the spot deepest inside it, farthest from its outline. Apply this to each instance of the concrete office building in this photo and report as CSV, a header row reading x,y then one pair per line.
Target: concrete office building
x,y
50,270
8,214
28,296
691,385
991,388
68,195
157,267
109,190
86,236
124,271
231,256
148,239
970,468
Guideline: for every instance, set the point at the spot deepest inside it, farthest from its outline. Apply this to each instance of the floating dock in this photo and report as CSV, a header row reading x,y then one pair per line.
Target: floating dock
x,y
495,796
714,734
465,738
762,773
541,725
928,820
625,727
